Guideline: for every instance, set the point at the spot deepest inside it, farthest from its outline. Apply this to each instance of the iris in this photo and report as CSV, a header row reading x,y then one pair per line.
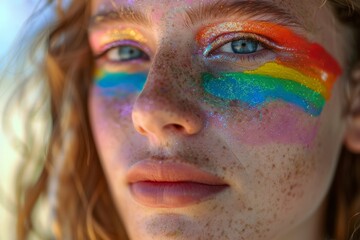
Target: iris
x,y
245,46
125,53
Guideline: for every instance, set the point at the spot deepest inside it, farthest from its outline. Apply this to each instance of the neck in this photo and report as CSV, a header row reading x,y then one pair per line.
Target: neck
x,y
311,228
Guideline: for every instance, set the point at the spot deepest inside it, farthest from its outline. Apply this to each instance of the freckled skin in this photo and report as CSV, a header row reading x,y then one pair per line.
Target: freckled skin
x,y
276,188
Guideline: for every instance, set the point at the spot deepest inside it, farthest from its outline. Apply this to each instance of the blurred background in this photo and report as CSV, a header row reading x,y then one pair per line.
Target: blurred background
x,y
13,14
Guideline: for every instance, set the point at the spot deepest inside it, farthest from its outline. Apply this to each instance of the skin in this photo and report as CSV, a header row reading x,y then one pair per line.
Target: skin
x,y
278,185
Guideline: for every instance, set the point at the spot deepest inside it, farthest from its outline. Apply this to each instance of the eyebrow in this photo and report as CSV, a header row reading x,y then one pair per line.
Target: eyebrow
x,y
266,10
120,14
216,10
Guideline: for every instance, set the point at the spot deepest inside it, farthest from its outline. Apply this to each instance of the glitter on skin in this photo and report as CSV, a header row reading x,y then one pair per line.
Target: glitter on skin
x,y
308,71
256,90
119,84
114,35
309,58
282,72
279,125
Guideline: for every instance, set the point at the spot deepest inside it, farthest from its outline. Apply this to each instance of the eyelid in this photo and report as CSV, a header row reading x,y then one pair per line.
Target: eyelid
x,y
121,43
234,36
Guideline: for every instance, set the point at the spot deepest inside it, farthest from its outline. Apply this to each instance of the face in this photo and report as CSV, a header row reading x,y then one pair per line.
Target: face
x,y
217,120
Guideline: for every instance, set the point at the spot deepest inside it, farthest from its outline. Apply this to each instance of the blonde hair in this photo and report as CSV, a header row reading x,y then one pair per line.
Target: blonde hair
x,y
70,172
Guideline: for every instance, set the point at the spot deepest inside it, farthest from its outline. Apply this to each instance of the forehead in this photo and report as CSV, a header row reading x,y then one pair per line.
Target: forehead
x,y
166,4
157,11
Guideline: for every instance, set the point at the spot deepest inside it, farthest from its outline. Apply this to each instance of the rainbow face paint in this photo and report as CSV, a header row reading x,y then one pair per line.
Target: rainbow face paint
x,y
119,84
110,36
121,34
255,90
303,74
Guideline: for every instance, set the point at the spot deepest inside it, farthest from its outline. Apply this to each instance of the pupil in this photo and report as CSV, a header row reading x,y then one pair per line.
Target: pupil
x,y
128,53
244,46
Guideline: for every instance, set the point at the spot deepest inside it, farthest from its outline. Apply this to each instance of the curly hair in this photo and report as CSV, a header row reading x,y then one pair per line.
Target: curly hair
x,y
68,171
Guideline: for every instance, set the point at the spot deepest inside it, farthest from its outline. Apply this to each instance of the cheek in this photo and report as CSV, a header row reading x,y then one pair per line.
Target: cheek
x,y
119,85
292,177
289,157
111,127
276,123
289,179
111,124
109,110
113,95
257,90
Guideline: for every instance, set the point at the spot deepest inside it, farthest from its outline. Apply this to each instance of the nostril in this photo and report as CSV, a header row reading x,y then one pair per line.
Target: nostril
x,y
175,127
178,127
158,123
141,130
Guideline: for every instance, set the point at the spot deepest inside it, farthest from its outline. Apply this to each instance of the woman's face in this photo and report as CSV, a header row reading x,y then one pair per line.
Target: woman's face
x,y
217,119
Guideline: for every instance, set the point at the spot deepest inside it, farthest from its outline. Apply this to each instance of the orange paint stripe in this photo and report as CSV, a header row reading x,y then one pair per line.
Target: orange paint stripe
x,y
309,58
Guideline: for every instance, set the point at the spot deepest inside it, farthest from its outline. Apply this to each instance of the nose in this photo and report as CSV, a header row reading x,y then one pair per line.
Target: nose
x,y
163,108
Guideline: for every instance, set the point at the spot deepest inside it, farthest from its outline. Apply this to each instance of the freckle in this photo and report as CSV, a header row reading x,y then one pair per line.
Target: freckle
x,y
250,209
288,177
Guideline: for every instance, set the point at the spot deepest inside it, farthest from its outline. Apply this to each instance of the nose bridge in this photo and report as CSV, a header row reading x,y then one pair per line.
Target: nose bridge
x,y
167,78
163,106
166,63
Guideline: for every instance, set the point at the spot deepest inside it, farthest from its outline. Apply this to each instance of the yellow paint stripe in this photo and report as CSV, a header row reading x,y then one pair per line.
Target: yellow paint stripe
x,y
273,69
98,73
122,34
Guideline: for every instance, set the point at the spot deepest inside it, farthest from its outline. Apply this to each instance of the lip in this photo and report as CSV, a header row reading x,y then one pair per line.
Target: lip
x,y
162,184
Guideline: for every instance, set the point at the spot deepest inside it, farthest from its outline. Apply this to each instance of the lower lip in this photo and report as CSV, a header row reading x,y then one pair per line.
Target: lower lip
x,y
173,194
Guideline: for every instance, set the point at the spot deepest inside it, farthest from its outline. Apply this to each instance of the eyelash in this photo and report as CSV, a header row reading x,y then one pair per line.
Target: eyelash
x,y
211,51
111,46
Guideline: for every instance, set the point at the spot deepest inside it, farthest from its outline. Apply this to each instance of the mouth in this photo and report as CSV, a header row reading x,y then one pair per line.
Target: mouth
x,y
161,184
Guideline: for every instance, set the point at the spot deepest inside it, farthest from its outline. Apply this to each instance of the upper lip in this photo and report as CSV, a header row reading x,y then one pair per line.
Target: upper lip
x,y
166,171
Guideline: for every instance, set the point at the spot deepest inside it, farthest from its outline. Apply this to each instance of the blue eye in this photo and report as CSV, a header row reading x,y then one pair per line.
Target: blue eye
x,y
245,46
124,54
242,46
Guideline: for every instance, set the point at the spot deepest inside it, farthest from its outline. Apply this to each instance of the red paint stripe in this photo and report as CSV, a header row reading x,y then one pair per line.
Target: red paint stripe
x,y
283,36
309,58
